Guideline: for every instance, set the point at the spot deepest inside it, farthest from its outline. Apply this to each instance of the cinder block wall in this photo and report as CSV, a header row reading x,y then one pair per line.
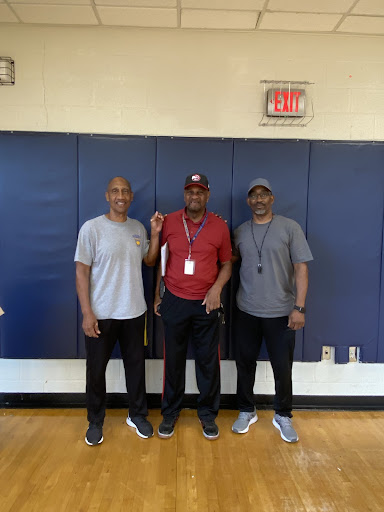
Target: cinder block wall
x,y
188,83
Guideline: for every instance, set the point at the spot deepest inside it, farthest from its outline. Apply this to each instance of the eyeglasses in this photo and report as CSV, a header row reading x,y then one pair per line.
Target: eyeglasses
x,y
262,195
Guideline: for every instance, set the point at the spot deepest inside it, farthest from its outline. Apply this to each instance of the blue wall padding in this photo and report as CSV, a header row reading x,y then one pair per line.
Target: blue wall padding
x,y
102,158
51,184
341,355
345,226
38,229
380,351
285,165
176,159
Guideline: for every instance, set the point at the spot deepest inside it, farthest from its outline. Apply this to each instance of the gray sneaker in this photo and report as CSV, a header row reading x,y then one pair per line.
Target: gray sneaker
x,y
241,425
284,424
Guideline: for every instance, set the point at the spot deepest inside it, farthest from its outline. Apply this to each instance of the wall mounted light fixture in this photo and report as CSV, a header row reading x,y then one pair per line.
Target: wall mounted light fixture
x,y
7,71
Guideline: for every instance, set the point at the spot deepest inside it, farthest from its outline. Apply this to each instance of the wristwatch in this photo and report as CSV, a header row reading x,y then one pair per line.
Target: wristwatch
x,y
299,308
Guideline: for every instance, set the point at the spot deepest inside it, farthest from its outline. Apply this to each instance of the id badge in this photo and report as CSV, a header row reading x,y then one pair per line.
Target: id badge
x,y
189,267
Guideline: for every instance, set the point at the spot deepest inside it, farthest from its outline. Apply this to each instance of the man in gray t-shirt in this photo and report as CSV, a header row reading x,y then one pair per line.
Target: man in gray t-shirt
x,y
109,254
270,304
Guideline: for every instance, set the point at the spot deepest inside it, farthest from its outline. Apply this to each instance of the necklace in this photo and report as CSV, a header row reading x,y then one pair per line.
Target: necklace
x,y
259,265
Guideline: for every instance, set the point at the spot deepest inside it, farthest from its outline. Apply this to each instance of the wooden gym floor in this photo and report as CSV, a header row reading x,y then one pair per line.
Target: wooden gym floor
x,y
337,466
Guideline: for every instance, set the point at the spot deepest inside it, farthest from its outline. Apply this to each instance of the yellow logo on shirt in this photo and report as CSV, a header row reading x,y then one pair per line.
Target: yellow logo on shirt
x,y
137,240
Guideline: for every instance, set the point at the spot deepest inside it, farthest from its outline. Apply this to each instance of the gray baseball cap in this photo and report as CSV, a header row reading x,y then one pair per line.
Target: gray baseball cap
x,y
261,182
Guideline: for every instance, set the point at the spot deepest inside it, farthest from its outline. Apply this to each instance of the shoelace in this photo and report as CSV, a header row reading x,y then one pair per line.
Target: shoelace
x,y
245,415
285,421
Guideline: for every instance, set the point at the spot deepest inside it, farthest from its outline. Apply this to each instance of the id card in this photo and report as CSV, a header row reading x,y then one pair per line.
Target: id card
x,y
189,267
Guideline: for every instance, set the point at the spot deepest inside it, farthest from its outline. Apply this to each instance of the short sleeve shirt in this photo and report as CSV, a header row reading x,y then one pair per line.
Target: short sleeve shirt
x,y
211,247
271,293
114,251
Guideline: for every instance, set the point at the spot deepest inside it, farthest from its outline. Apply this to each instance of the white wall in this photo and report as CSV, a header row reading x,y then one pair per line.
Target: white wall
x,y
192,83
188,83
68,376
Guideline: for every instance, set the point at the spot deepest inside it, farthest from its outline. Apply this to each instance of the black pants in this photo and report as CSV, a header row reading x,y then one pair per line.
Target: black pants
x,y
183,318
280,341
130,334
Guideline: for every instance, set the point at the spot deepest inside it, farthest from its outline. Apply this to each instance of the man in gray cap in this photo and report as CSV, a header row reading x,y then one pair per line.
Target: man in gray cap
x,y
270,304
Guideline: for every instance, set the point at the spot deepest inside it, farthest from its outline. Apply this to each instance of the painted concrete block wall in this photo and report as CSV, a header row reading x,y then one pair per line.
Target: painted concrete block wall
x,y
188,83
68,376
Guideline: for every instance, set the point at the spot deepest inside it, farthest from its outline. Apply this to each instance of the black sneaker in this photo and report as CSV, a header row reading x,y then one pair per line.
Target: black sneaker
x,y
94,434
143,428
167,427
210,429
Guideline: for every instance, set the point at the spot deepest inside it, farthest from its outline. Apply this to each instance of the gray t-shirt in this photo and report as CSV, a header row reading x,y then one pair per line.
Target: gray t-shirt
x,y
114,251
272,293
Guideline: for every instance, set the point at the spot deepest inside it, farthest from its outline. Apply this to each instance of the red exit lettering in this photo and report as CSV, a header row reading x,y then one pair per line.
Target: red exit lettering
x,y
287,98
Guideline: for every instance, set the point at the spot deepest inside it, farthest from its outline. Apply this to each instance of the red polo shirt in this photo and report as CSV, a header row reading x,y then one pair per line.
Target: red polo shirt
x,y
212,245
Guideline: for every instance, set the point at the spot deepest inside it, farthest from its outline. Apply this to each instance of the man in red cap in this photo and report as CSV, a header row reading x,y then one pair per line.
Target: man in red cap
x,y
198,266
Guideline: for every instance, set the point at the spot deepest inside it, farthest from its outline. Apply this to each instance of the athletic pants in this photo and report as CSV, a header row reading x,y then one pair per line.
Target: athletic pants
x,y
184,319
130,334
280,342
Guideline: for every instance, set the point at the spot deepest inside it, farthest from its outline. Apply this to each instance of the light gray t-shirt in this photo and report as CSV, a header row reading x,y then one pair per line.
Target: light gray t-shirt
x,y
114,251
272,293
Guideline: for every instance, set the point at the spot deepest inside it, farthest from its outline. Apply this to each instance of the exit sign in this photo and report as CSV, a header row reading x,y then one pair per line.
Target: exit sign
x,y
286,102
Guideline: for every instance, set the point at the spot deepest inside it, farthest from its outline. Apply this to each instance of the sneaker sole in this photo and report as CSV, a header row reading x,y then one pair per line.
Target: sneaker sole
x,y
131,424
275,424
165,436
253,420
210,438
92,444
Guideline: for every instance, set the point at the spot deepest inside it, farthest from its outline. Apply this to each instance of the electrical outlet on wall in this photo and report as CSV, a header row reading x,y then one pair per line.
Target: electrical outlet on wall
x,y
326,353
352,354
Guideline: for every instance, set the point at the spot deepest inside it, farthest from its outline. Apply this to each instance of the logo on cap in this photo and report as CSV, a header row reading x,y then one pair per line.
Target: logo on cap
x,y
196,177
